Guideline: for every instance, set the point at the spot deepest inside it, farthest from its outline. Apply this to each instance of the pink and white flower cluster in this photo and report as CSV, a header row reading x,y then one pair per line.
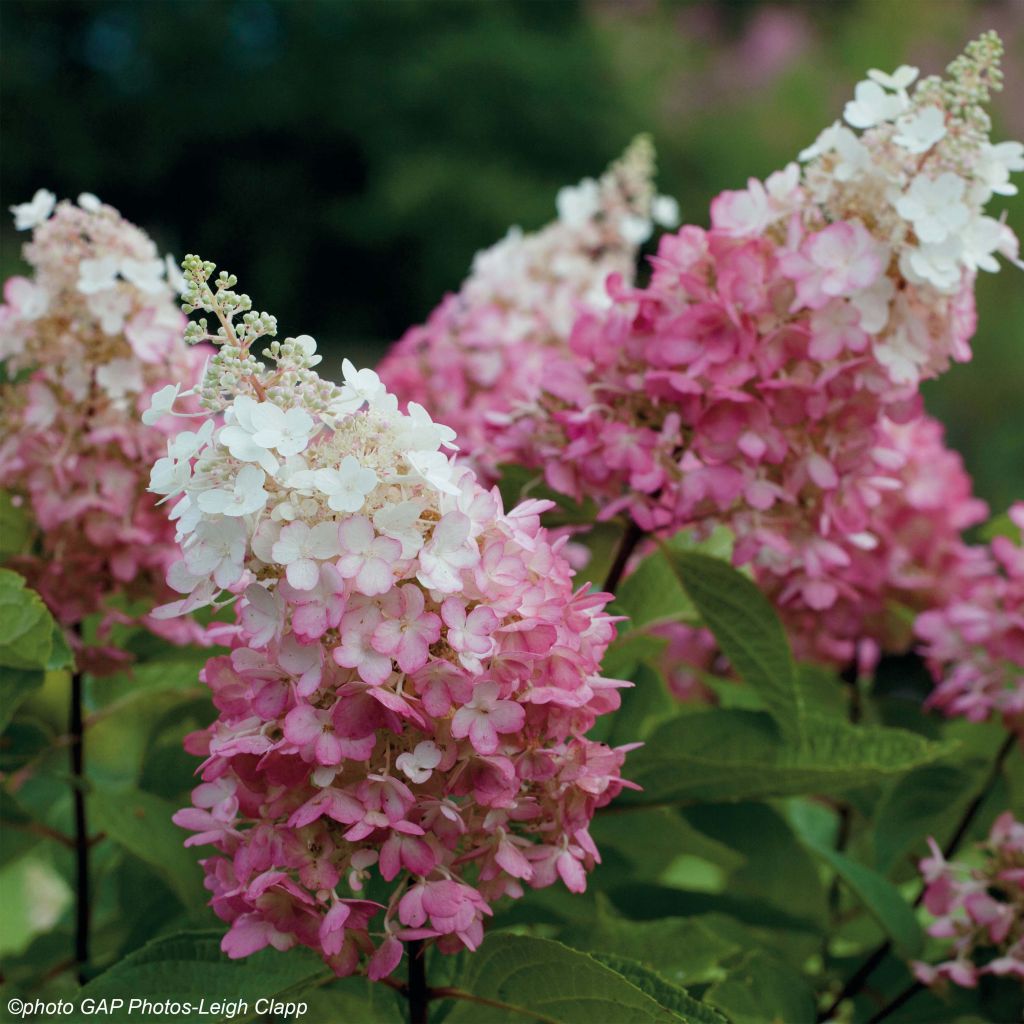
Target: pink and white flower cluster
x,y
85,341
979,909
759,377
401,732
486,349
974,643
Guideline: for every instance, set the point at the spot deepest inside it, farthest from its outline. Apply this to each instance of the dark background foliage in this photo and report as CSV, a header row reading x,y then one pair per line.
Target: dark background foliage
x,y
346,159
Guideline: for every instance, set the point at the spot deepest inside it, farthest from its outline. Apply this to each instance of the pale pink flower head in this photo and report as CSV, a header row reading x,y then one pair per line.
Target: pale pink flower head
x,y
87,340
412,674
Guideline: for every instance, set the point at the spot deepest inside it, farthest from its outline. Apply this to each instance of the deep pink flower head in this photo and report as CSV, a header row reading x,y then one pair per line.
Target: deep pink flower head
x,y
412,676
974,642
980,910
86,341
486,349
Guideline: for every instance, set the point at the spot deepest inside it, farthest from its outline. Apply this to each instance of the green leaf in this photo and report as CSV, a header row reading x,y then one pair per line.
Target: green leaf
x,y
775,867
355,1000
666,836
61,655
189,966
15,686
652,594
919,804
748,631
627,652
645,902
26,626
760,990
683,950
672,997
644,706
125,734
542,980
141,823
739,755
880,897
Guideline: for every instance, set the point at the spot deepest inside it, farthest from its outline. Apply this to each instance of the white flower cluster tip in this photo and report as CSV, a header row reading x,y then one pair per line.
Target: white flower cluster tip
x,y
929,156
291,457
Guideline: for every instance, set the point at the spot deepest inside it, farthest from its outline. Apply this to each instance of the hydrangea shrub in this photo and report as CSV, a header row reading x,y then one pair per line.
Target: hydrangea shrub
x,y
410,790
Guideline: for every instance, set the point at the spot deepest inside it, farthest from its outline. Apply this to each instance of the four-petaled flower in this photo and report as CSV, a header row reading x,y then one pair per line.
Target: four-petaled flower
x,y
485,716
366,558
300,549
407,630
347,486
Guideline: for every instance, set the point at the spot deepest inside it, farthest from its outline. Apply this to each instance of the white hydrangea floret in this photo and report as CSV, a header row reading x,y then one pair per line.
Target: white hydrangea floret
x,y
97,275
347,486
298,547
935,206
920,130
35,211
247,494
872,105
577,204
239,435
285,430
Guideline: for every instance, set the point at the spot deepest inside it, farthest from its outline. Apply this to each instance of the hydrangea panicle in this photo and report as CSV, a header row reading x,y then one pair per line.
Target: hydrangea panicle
x,y
412,672
486,349
758,380
86,342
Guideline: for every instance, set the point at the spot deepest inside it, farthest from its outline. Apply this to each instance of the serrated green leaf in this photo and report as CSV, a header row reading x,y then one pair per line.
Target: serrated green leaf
x,y
189,966
543,980
880,897
761,990
141,823
683,950
670,996
26,626
747,629
740,755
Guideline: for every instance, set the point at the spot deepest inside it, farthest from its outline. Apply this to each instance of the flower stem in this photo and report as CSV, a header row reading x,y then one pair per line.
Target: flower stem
x,y
416,990
632,536
82,905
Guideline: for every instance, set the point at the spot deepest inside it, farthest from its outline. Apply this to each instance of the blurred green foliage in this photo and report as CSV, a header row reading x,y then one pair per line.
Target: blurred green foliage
x,y
346,159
